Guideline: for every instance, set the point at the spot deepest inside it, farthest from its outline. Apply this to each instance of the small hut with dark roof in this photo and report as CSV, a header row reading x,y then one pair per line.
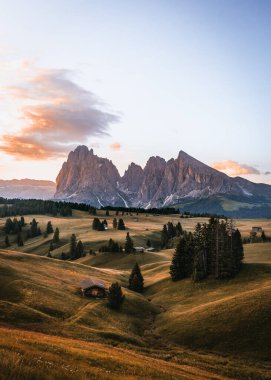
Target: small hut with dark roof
x,y
93,287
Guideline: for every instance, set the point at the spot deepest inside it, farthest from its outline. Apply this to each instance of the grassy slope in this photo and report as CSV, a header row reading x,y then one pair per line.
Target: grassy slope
x,y
47,327
229,318
226,316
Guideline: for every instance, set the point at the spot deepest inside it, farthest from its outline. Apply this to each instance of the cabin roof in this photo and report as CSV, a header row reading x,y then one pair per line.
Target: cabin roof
x,y
91,282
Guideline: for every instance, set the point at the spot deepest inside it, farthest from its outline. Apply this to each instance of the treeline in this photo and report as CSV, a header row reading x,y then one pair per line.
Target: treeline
x,y
187,214
138,210
12,207
214,249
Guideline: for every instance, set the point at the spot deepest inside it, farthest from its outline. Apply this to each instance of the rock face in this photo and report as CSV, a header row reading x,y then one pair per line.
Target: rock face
x,y
27,189
86,177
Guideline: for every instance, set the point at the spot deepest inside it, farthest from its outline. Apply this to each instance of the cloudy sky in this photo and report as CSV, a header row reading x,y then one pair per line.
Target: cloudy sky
x,y
133,79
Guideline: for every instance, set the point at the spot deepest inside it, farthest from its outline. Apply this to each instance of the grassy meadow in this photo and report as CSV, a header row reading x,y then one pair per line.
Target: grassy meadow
x,y
181,330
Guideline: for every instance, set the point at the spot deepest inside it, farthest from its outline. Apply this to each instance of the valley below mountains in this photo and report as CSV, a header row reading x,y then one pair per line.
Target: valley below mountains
x,y
184,183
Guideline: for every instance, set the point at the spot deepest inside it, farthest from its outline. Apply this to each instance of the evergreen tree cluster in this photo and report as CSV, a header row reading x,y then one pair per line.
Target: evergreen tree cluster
x,y
214,249
169,232
14,226
77,249
112,246
97,225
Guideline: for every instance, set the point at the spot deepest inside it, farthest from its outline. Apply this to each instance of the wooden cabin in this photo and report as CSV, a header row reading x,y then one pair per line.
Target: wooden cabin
x,y
93,287
256,229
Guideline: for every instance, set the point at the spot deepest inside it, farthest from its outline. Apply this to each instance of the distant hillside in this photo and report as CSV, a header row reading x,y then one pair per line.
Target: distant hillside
x,y
184,183
27,189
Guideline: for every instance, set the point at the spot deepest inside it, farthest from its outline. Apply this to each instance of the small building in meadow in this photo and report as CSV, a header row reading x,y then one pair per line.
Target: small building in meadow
x,y
93,287
256,229
139,249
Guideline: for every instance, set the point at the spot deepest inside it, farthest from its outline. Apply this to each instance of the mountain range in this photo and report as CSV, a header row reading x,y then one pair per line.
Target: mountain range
x,y
27,189
183,182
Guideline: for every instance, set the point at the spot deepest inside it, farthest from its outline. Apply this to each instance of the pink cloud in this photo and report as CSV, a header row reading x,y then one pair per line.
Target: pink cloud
x,y
115,146
233,168
59,115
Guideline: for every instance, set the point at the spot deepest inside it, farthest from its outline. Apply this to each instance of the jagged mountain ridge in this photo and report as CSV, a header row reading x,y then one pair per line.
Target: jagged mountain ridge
x,y
85,177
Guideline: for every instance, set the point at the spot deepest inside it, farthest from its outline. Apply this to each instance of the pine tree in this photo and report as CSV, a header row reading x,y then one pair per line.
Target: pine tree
x,y
79,252
136,281
22,221
148,243
73,244
171,230
34,230
121,225
164,237
181,265
8,226
51,248
199,270
115,223
20,242
7,243
56,235
115,296
129,245
179,229
49,228
238,250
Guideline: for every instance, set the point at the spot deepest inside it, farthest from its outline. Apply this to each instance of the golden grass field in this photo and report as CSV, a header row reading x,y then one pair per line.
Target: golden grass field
x,y
209,330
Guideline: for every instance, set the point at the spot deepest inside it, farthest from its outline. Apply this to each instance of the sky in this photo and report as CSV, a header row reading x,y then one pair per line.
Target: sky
x,y
133,79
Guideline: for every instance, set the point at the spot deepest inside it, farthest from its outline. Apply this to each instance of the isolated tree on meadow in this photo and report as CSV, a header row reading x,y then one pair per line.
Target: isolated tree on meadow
x,y
129,245
107,213
49,228
136,281
73,244
121,225
115,223
56,235
148,243
115,296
